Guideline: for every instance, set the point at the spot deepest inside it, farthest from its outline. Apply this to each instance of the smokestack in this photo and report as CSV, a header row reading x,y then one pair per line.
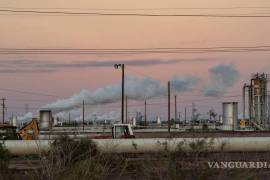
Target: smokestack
x,y
158,120
134,121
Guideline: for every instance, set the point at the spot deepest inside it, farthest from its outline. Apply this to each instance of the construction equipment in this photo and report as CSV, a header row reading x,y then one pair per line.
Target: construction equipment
x,y
8,132
30,131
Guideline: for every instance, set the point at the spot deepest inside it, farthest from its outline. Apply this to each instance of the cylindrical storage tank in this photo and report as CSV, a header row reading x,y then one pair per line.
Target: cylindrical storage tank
x,y
134,121
158,120
13,121
230,115
45,119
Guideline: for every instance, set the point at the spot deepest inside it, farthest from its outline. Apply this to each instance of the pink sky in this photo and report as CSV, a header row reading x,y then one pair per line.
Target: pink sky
x,y
21,31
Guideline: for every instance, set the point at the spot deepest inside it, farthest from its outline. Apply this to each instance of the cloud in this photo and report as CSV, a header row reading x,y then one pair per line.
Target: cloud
x,y
37,66
221,77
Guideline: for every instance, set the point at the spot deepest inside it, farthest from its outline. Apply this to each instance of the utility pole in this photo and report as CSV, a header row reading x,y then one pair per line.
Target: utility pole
x,y
126,110
145,113
169,107
83,115
175,108
69,118
3,109
193,113
123,91
123,88
185,115
179,116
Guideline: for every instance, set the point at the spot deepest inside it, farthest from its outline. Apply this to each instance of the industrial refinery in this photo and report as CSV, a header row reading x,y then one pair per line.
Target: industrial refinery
x,y
254,118
143,90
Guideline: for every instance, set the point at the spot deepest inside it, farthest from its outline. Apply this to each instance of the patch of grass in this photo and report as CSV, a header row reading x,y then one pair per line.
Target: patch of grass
x,y
71,160
5,157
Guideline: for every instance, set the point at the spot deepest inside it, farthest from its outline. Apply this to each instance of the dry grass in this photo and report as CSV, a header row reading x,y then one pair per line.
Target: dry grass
x,y
72,160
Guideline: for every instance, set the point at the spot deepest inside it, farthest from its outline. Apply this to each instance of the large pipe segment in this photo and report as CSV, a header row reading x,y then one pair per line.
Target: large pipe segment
x,y
219,144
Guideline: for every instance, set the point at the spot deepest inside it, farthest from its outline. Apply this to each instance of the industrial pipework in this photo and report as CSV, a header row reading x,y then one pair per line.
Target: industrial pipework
x,y
220,144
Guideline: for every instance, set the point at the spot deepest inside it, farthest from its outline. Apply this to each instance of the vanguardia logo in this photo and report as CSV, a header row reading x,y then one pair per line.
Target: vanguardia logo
x,y
238,165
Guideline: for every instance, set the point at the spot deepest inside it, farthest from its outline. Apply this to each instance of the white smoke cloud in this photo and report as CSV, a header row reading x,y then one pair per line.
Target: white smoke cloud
x,y
181,84
135,88
222,77
26,117
76,114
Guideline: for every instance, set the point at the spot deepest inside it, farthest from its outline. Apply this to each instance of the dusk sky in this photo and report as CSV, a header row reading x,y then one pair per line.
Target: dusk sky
x,y
63,75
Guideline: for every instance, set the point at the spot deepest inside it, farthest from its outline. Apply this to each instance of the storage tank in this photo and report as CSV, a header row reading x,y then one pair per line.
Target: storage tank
x,y
134,121
230,115
13,121
158,120
45,119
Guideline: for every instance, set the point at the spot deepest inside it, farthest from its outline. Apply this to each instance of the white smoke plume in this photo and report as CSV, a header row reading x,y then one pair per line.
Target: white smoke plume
x,y
76,114
222,77
135,88
26,117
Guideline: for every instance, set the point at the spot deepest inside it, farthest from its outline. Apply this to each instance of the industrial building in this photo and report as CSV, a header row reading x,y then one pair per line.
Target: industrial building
x,y
256,102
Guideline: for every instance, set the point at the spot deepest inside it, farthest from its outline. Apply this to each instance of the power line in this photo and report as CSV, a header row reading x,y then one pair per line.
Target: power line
x,y
70,13
134,49
157,50
147,9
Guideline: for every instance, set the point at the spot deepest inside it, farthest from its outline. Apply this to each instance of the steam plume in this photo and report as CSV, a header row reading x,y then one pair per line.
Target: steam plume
x,y
135,88
222,77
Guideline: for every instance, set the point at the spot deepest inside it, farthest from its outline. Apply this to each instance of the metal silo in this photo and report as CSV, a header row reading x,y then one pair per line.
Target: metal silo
x,y
45,119
230,115
13,121
134,121
158,120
